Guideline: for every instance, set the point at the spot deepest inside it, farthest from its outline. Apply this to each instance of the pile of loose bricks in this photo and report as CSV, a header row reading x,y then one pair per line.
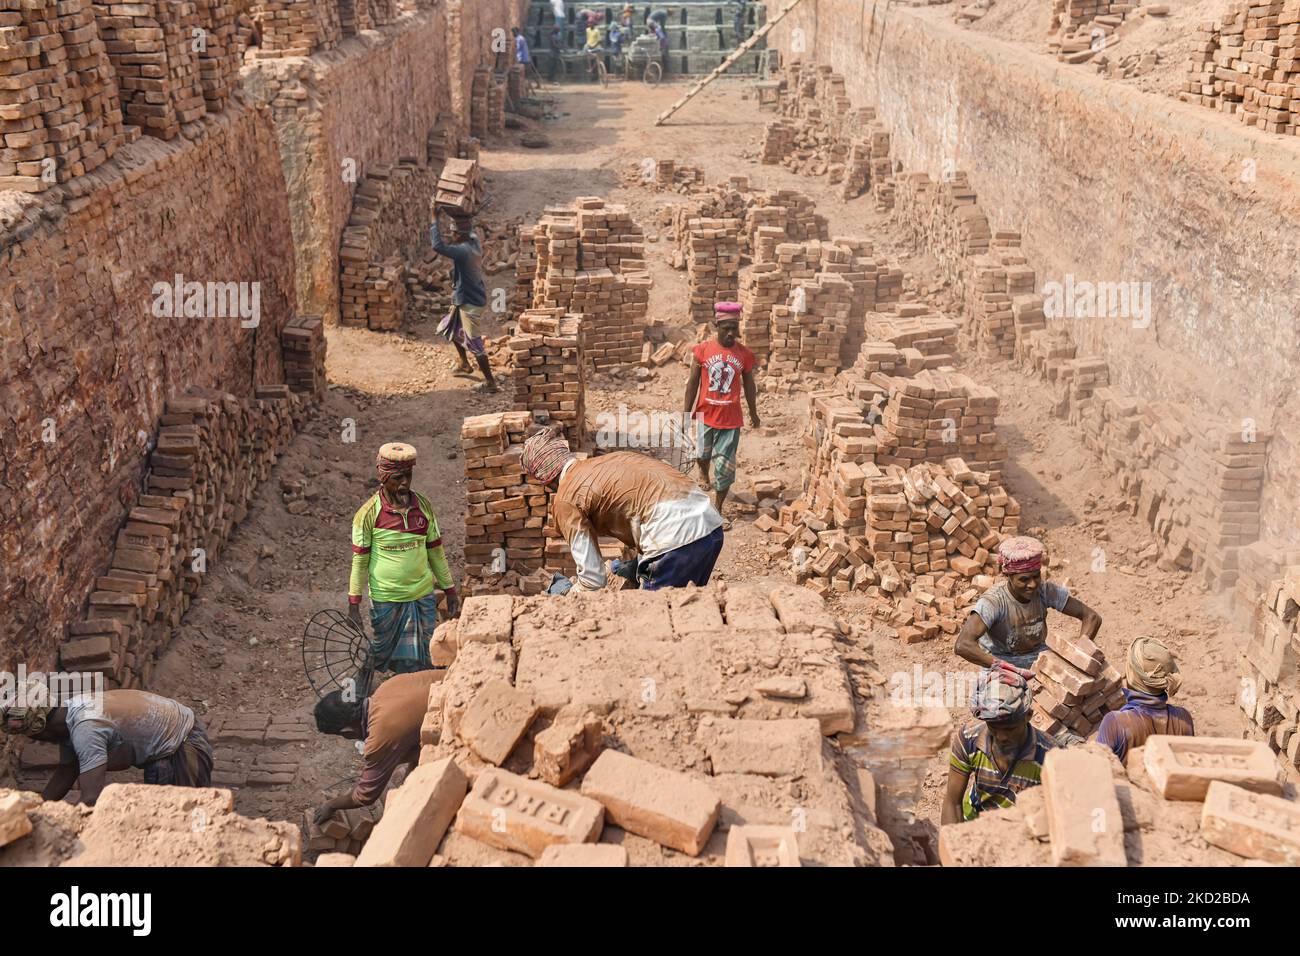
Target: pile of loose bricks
x,y
548,363
388,226
1246,63
82,79
1082,29
211,453
1269,695
1176,801
298,27
589,259
543,748
487,103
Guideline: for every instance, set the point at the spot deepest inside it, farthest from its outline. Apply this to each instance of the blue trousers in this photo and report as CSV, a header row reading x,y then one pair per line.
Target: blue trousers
x,y
690,564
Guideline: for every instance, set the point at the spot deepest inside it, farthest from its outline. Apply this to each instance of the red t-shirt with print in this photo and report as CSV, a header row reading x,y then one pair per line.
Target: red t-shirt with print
x,y
718,403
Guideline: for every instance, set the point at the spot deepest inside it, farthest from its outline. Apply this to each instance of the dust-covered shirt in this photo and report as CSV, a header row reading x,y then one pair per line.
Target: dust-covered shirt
x,y
647,504
1015,628
394,713
152,727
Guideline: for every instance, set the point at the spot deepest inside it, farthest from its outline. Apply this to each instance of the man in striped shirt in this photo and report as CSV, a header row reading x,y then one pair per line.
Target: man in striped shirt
x,y
997,755
397,551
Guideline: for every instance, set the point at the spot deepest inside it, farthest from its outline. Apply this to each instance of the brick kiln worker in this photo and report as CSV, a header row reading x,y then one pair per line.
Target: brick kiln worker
x,y
725,367
644,503
997,755
389,722
468,296
1008,626
397,551
1151,677
115,731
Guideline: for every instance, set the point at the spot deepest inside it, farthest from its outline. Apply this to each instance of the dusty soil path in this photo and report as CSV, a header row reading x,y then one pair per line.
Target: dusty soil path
x,y
239,649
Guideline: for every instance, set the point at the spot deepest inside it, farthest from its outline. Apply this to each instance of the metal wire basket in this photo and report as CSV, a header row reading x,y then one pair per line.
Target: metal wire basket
x,y
335,654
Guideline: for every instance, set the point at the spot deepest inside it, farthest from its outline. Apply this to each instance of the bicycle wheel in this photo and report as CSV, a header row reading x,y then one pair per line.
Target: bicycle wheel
x,y
654,72
602,73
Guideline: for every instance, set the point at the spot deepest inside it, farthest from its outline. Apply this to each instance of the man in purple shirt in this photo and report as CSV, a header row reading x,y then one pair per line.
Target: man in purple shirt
x,y
1150,678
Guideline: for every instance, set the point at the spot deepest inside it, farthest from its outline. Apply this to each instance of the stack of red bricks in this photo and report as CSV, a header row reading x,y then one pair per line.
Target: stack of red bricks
x,y
590,260
151,50
61,116
1000,297
506,510
211,453
295,27
907,326
302,348
944,218
1073,686
762,286
346,831
219,59
460,185
442,143
935,415
1270,668
1081,29
1247,63
549,369
1258,565
712,265
496,105
778,141
389,223
354,16
808,329
480,122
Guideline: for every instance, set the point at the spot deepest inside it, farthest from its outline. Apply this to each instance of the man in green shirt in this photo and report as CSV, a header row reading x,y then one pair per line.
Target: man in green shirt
x,y
397,551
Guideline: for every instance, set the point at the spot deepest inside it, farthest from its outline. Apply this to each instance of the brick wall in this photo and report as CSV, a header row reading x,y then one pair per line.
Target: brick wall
x,y
86,363
1148,191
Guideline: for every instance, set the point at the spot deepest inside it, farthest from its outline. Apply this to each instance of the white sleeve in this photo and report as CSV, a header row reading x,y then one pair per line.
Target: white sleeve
x,y
586,555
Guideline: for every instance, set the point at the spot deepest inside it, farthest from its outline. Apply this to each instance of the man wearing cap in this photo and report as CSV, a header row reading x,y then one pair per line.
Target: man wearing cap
x,y
647,504
468,295
397,551
1151,677
719,366
997,755
112,730
1008,626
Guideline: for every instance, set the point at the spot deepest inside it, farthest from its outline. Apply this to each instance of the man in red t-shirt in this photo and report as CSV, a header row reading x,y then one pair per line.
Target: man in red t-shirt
x,y
720,367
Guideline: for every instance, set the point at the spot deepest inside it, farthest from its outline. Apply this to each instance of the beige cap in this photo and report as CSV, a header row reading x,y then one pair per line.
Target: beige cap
x,y
397,451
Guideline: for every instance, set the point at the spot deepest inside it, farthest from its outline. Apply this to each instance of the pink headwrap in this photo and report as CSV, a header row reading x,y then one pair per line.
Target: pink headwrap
x,y
545,455
1020,554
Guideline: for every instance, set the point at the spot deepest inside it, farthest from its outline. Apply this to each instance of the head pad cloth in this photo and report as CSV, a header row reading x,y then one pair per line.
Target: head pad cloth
x,y
395,458
1151,668
1020,554
545,455
1000,695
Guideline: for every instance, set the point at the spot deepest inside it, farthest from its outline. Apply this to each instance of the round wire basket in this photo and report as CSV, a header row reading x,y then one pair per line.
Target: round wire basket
x,y
335,653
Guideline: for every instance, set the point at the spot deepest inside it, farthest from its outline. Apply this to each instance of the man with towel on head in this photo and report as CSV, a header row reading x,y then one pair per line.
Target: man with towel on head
x,y
647,504
397,551
1150,678
997,755
1008,626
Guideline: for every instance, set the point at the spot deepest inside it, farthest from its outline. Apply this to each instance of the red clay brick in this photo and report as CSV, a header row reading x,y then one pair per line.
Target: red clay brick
x,y
416,816
1083,815
514,813
663,805
1181,768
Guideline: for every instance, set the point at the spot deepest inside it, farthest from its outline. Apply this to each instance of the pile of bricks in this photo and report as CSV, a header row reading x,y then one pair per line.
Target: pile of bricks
x,y
354,16
1000,298
506,510
762,287
1073,686
1082,29
1270,669
935,415
496,105
157,70
295,27
346,831
389,224
589,259
219,59
712,265
549,370
944,218
1245,63
778,141
1258,565
211,452
480,121
808,329
63,116
303,353
460,185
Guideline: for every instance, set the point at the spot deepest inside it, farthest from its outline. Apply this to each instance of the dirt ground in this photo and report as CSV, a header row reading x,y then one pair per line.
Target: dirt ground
x,y
239,650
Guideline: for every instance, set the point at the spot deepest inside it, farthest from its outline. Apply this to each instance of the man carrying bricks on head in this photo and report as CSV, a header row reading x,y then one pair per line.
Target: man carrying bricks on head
x,y
397,551
647,504
997,755
1008,626
721,365
1150,678
115,730
388,721
468,296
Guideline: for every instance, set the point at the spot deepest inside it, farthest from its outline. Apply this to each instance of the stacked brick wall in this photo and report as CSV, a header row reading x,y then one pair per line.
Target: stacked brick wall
x,y
549,369
296,27
91,353
1269,695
